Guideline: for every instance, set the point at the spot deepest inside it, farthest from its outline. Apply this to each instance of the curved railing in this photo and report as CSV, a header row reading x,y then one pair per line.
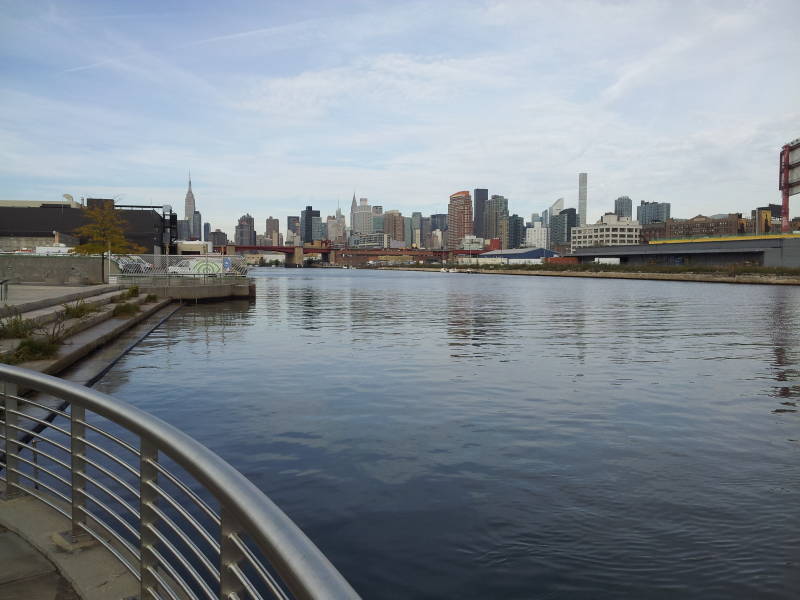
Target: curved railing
x,y
183,521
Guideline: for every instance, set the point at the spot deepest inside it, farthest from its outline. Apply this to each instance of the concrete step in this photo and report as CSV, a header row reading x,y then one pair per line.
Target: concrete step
x,y
34,297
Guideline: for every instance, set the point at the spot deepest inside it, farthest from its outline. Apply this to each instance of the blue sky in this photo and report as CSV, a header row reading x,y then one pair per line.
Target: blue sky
x,y
275,105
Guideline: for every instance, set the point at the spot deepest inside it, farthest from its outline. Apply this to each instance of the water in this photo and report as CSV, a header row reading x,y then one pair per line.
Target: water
x,y
485,436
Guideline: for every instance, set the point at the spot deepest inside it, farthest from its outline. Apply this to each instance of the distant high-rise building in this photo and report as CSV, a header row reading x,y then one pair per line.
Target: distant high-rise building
x,y
307,225
439,221
394,225
652,212
362,217
408,232
516,231
561,227
377,210
197,225
537,236
206,232
495,217
189,206
184,229
425,232
353,206
272,230
582,184
377,223
292,226
623,207
479,214
218,238
555,208
536,218
459,218
245,233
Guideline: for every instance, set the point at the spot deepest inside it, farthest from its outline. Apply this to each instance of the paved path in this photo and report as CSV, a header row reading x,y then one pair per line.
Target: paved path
x,y
24,294
27,575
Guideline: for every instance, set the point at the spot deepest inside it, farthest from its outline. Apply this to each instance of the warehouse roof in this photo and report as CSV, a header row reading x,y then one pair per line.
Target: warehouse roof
x,y
520,253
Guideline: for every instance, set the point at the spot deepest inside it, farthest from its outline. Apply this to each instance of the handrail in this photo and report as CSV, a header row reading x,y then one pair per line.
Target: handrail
x,y
244,509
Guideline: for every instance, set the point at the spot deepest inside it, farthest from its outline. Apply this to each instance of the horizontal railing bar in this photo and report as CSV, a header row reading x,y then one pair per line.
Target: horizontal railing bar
x,y
41,498
186,515
131,529
55,411
47,424
253,561
133,550
183,562
188,491
189,543
44,470
108,454
172,573
113,438
111,475
110,493
49,488
110,547
43,439
46,455
245,581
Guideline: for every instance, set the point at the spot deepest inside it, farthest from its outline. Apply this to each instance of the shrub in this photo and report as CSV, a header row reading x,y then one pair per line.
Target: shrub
x,y
78,310
133,291
125,309
32,349
151,298
15,326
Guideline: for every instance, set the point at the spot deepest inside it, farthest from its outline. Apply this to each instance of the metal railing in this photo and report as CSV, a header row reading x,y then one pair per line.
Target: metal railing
x,y
183,521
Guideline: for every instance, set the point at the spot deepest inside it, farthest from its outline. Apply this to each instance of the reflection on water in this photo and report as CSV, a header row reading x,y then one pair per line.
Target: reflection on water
x,y
448,435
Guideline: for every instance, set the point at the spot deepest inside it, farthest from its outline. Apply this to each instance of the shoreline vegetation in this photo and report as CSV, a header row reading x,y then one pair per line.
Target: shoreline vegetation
x,y
707,274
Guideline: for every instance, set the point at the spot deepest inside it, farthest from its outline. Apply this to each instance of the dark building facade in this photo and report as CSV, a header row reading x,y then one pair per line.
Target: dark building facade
x,y
293,225
245,234
307,224
479,212
561,227
516,231
623,207
650,212
439,221
143,227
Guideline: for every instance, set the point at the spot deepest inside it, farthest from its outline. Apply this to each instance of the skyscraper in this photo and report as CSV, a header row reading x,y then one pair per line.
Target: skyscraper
x,y
245,232
652,212
293,225
516,231
394,225
459,218
362,217
495,213
561,227
555,208
272,230
479,214
189,206
197,225
623,207
206,232
439,221
582,183
307,224
353,214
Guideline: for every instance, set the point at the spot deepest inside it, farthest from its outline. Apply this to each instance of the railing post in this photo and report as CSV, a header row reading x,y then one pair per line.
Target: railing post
x,y
9,420
148,455
229,555
77,468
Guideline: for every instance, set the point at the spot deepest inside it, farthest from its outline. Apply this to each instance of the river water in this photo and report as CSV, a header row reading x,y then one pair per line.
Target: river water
x,y
487,436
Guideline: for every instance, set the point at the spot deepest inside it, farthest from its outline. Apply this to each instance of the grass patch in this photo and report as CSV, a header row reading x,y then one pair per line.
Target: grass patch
x,y
78,310
151,298
15,326
126,309
31,349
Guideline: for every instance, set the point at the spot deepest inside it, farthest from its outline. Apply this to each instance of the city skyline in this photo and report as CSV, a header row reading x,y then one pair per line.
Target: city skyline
x,y
273,112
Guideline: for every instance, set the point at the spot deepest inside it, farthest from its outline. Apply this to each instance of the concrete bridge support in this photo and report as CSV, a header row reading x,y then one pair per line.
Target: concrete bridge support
x,y
296,258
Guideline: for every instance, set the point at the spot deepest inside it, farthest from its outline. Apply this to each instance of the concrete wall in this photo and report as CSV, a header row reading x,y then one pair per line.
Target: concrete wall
x,y
56,270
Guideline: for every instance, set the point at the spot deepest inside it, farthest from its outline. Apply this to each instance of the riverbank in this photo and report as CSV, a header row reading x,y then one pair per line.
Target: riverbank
x,y
748,278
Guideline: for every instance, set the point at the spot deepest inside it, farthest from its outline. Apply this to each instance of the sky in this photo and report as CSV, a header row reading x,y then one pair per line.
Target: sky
x,y
276,105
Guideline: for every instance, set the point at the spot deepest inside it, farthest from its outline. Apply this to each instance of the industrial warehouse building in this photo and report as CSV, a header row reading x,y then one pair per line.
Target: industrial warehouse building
x,y
520,256
768,251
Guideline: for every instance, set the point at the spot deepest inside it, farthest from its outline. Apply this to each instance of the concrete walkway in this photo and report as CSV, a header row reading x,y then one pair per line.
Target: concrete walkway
x,y
27,575
23,298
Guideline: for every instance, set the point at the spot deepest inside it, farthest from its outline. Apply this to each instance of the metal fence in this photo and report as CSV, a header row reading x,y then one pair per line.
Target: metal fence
x,y
178,517
173,270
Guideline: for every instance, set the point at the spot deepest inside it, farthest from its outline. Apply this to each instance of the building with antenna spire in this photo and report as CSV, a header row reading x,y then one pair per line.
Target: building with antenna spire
x,y
189,206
